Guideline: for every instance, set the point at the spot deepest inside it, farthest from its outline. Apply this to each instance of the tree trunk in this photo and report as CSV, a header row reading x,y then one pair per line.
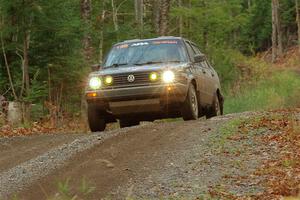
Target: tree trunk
x,y
189,19
279,30
8,69
14,113
139,11
164,17
26,61
86,11
277,46
298,21
101,39
205,31
180,21
26,106
115,18
156,15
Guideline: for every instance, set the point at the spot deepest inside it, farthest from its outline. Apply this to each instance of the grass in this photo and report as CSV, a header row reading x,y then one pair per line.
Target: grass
x,y
226,131
280,90
65,191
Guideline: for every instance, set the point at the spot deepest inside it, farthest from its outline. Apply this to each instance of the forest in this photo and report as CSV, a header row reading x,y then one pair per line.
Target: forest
x,y
48,47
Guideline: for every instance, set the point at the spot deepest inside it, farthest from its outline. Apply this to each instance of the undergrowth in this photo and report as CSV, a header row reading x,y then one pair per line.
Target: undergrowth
x,y
278,90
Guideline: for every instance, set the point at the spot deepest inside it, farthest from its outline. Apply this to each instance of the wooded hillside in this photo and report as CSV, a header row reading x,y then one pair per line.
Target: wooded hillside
x,y
47,47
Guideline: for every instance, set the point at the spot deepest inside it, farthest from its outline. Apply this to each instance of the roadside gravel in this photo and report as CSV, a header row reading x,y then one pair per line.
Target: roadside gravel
x,y
17,178
16,150
174,160
158,160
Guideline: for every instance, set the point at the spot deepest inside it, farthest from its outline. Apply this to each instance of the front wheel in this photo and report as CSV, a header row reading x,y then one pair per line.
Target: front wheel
x,y
190,108
96,121
128,123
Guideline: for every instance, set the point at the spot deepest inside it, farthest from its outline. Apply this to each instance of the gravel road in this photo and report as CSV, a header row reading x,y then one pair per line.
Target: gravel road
x,y
152,161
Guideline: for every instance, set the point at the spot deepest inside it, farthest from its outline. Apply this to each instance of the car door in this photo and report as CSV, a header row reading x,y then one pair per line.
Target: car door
x,y
215,77
200,75
210,82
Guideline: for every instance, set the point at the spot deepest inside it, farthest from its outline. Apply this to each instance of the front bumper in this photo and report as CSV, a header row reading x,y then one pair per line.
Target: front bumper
x,y
175,92
140,99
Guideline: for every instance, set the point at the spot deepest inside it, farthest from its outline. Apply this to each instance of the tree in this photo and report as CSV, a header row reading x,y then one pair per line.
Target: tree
x,y
156,15
86,11
160,16
180,19
139,12
46,46
101,19
297,4
164,17
277,47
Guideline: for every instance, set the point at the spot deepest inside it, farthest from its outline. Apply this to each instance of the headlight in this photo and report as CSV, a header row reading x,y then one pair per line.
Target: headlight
x,y
153,76
95,83
108,80
168,76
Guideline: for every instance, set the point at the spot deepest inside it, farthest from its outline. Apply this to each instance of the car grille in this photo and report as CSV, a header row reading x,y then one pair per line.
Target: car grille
x,y
141,78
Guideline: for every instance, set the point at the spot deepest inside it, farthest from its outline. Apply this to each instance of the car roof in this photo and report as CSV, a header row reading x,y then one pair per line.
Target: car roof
x,y
157,38
151,39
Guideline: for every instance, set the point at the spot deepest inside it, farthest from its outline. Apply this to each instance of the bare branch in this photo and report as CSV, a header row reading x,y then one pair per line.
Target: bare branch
x,y
8,68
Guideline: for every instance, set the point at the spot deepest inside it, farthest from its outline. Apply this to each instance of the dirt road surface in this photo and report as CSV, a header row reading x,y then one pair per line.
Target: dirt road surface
x,y
152,161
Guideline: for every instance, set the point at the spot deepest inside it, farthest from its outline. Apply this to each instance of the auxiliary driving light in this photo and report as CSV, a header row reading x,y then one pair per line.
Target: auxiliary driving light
x,y
95,83
93,94
153,76
168,76
108,80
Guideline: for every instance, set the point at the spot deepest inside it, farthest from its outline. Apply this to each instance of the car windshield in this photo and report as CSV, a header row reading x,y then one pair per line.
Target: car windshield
x,y
147,52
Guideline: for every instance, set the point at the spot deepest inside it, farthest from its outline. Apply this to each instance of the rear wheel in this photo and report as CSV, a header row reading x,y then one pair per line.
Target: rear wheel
x,y
96,120
215,109
128,123
190,108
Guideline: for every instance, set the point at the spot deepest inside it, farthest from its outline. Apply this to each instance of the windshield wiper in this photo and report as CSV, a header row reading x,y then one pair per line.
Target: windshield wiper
x,y
174,61
149,63
117,65
158,62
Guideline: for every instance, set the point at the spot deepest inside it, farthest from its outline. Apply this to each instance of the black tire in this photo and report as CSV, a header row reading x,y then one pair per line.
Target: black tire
x,y
96,120
128,123
190,107
215,109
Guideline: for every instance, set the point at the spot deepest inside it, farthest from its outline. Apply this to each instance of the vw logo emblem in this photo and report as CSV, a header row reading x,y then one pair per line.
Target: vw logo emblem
x,y
131,78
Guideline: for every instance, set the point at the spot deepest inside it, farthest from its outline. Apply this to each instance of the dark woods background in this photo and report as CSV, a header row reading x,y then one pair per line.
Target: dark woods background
x,y
47,47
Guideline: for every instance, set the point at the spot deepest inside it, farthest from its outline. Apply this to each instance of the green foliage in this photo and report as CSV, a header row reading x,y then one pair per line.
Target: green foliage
x,y
38,89
64,187
55,61
57,70
85,188
280,90
256,35
65,192
225,62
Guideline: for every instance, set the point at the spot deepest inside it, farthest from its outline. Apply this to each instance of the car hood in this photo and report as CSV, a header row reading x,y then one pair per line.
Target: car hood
x,y
142,68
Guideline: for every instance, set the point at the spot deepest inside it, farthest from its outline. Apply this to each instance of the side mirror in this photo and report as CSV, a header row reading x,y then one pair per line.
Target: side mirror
x,y
199,58
96,67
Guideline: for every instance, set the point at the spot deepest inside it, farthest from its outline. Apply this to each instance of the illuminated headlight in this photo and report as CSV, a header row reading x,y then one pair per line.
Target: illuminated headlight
x,y
95,83
153,76
168,76
108,80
